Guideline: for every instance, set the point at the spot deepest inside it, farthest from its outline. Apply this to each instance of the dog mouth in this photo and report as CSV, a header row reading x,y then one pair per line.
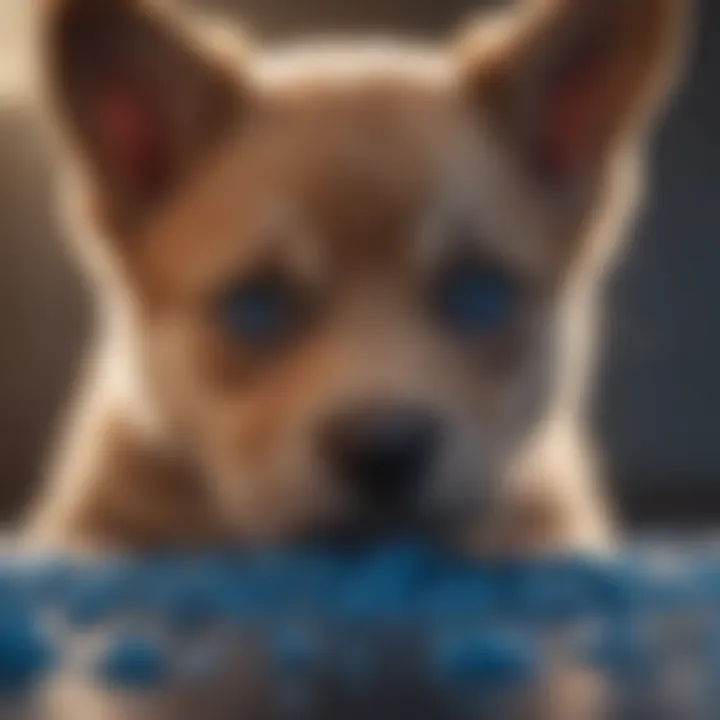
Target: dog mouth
x,y
355,535
362,529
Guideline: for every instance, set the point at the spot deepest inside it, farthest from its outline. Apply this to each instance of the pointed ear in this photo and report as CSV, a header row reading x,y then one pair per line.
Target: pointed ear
x,y
140,98
566,81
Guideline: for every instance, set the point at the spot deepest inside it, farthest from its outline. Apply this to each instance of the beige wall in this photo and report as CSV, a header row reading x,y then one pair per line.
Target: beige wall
x,y
14,45
41,310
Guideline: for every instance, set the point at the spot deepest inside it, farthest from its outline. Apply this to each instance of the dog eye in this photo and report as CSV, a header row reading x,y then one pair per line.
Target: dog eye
x,y
260,312
474,301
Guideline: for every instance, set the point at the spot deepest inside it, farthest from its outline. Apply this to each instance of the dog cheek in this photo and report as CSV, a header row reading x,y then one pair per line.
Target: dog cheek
x,y
270,465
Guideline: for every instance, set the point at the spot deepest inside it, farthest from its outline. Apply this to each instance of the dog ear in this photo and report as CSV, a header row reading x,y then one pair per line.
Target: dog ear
x,y
140,97
566,81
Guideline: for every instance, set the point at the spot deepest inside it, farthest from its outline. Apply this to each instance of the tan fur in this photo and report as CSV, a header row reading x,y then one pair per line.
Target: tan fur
x,y
351,167
356,170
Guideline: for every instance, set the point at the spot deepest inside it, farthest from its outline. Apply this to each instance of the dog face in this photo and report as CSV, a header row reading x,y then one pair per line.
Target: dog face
x,y
343,268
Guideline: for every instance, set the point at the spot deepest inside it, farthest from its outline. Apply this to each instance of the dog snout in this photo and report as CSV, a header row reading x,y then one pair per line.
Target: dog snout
x,y
382,453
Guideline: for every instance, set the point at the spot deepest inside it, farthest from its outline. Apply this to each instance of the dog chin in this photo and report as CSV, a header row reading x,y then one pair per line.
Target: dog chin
x,y
441,526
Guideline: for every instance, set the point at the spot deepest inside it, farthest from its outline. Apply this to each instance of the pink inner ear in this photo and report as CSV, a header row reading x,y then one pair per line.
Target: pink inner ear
x,y
135,133
575,117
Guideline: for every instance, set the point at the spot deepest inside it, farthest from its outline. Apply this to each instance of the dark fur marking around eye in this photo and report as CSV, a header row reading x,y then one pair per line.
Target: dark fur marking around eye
x,y
475,298
255,320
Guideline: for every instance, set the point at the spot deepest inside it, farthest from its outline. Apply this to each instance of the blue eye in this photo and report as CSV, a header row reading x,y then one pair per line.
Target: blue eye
x,y
474,301
260,312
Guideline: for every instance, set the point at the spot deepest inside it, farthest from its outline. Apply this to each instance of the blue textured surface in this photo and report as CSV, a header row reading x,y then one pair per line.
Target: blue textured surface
x,y
479,659
460,623
134,662
26,654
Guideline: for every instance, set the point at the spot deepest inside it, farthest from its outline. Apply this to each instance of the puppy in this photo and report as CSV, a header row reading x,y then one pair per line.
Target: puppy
x,y
343,289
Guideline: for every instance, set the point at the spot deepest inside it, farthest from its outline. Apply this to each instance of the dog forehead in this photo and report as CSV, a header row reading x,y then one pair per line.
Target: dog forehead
x,y
358,154
359,124
352,62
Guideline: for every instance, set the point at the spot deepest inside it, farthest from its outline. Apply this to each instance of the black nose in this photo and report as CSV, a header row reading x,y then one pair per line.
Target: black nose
x,y
383,453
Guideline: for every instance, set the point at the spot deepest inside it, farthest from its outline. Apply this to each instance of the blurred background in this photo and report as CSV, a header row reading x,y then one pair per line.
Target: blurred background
x,y
657,406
